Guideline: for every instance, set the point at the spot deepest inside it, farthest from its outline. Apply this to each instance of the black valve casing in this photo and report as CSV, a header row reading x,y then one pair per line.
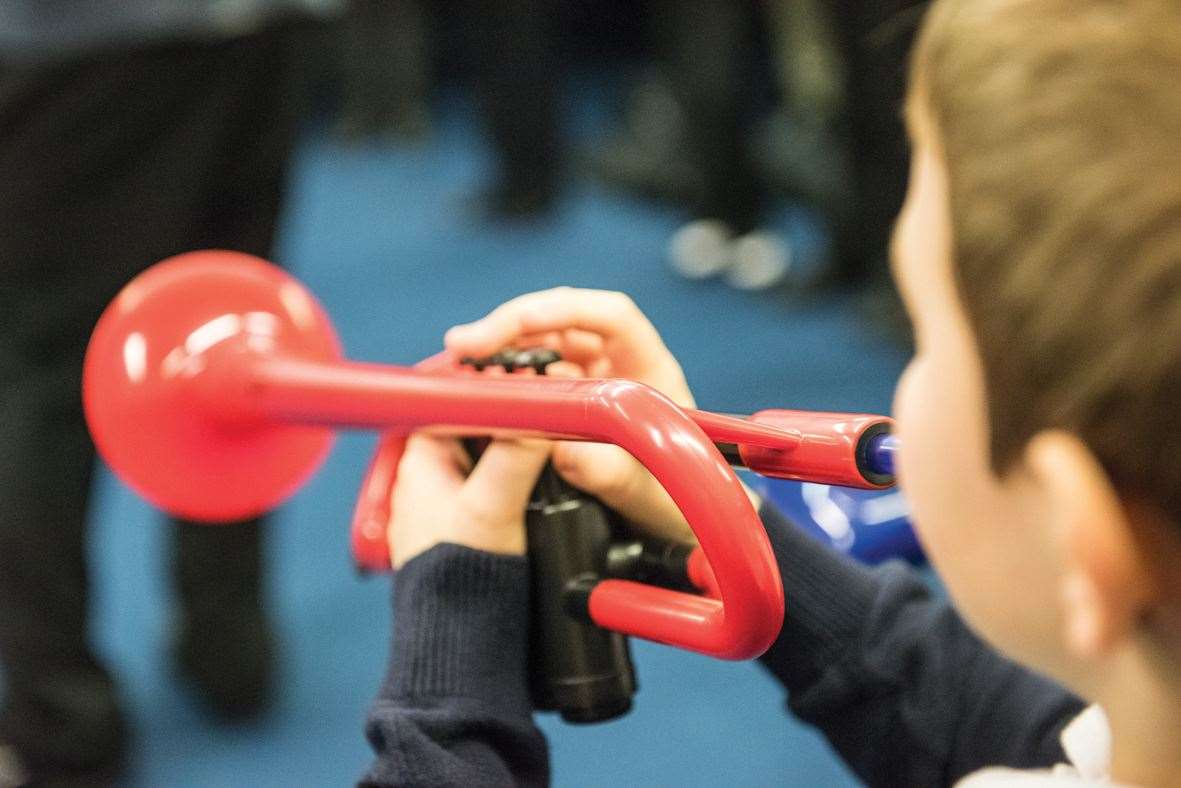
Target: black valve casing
x,y
578,669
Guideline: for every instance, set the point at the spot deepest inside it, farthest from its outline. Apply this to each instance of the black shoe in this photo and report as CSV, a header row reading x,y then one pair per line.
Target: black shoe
x,y
231,663
224,646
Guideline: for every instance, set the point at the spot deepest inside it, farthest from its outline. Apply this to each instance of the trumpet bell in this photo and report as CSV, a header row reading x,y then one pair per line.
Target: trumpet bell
x,y
155,412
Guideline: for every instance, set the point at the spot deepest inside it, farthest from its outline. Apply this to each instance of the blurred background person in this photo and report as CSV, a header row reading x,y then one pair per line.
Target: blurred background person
x,y
506,50
710,54
873,41
130,130
750,101
386,70
516,70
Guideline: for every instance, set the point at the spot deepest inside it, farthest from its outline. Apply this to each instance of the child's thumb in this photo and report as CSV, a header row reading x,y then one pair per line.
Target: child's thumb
x,y
505,475
607,472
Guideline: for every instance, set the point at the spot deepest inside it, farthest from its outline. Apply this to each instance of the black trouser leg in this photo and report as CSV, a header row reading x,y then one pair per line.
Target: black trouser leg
x,y
517,83
875,38
225,642
706,46
61,707
107,164
385,64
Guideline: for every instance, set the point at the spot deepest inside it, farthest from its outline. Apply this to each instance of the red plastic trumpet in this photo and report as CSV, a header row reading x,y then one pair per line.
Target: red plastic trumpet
x,y
213,381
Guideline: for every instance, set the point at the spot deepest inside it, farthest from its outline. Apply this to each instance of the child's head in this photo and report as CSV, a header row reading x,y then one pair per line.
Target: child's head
x,y
1039,253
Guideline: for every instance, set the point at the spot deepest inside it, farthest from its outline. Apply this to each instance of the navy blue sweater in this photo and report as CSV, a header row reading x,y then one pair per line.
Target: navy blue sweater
x,y
882,667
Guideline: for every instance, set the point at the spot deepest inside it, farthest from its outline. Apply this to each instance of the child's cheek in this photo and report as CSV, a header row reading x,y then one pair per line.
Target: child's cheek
x,y
922,458
943,471
908,420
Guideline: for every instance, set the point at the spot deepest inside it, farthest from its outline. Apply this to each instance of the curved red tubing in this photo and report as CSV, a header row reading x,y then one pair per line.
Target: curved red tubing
x,y
741,624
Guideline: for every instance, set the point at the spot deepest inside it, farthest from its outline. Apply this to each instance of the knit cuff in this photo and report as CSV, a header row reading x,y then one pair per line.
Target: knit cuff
x,y
461,629
828,597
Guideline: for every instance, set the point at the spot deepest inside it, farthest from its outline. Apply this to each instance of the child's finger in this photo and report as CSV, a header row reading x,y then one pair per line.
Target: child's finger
x,y
581,346
611,315
550,339
632,348
621,482
429,476
431,461
600,368
573,345
605,471
565,369
498,488
462,457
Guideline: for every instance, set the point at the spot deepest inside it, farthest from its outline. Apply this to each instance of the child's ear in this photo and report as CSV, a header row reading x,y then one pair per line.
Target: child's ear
x,y
1106,586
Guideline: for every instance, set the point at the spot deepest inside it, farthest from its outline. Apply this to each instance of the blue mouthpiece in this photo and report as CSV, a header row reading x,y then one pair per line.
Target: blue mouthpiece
x,y
879,454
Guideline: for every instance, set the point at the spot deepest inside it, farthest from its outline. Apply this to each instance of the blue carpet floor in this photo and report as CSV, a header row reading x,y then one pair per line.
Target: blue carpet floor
x,y
379,234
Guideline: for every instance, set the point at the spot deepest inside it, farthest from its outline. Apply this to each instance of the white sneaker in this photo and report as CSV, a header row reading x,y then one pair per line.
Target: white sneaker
x,y
700,249
759,260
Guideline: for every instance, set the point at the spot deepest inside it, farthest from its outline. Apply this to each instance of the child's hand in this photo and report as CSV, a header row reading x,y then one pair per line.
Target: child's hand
x,y
604,335
439,497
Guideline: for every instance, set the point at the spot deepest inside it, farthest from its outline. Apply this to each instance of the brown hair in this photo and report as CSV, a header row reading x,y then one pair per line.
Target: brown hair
x,y
1060,124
